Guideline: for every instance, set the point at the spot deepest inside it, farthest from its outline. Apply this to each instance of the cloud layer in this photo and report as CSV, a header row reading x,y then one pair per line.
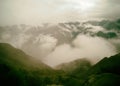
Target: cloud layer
x,y
64,42
92,48
37,11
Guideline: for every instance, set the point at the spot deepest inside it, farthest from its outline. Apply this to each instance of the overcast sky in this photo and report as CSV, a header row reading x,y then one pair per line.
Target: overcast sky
x,y
38,11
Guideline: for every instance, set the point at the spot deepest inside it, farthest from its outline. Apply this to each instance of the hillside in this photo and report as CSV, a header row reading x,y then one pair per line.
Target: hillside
x,y
19,69
17,57
75,68
106,72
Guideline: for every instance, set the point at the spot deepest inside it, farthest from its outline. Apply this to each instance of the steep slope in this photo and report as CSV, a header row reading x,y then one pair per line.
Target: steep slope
x,y
16,57
106,72
106,65
18,69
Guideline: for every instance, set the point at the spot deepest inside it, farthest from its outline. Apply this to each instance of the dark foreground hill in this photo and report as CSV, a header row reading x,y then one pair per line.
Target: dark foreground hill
x,y
19,69
105,73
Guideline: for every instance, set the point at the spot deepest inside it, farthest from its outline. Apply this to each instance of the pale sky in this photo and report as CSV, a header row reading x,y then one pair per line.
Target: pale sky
x,y
40,11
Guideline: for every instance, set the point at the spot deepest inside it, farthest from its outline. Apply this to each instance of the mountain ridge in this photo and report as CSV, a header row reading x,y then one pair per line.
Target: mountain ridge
x,y
15,70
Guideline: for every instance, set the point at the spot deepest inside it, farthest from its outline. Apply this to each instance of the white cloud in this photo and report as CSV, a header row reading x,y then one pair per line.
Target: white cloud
x,y
46,42
15,37
94,28
93,48
40,45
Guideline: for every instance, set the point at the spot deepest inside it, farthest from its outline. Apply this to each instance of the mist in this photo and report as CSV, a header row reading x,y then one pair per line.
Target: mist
x,y
60,31
60,42
92,48
34,12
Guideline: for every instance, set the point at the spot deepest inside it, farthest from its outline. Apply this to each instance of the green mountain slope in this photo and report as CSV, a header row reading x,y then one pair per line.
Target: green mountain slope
x,y
106,72
75,68
17,58
19,69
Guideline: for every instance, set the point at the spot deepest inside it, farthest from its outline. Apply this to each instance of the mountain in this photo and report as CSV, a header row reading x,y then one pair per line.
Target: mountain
x,y
64,32
19,69
31,38
14,56
75,68
110,65
106,72
107,24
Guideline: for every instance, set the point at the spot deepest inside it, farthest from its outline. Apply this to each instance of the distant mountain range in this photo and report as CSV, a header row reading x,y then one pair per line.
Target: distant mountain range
x,y
19,69
29,38
66,31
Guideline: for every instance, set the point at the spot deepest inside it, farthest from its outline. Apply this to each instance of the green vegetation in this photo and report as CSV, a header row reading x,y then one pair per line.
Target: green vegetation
x,y
19,69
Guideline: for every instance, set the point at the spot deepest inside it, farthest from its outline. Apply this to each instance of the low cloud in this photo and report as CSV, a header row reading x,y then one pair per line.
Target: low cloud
x,y
39,46
29,39
93,48
55,44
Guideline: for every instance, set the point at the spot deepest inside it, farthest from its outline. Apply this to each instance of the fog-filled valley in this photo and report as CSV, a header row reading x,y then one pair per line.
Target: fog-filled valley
x,y
19,69
64,54
93,40
59,43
